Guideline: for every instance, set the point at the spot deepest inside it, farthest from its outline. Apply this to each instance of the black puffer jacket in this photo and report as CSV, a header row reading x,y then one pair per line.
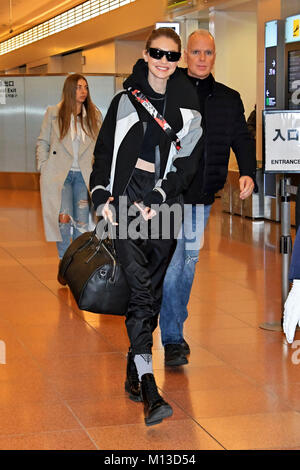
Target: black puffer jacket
x,y
224,128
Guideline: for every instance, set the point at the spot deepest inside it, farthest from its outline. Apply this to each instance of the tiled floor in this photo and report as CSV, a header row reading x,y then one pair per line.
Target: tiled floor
x,y
61,383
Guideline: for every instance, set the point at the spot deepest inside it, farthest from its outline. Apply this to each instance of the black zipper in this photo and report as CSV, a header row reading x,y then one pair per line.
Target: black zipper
x,y
205,143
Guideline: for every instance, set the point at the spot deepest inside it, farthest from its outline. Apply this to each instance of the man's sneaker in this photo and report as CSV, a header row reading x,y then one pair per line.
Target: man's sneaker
x,y
174,355
155,407
132,383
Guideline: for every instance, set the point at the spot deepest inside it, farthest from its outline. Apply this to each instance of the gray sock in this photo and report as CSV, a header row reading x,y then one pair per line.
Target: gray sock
x,y
143,364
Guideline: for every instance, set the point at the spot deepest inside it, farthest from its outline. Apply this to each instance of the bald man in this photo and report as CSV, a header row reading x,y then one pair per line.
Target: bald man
x,y
225,127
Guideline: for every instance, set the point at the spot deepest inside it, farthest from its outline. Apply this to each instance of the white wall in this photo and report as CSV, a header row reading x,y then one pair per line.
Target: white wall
x,y
127,53
71,63
113,57
40,69
236,45
47,64
101,59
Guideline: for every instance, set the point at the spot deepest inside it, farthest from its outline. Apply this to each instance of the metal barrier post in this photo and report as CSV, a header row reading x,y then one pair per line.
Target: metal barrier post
x,y
285,248
285,239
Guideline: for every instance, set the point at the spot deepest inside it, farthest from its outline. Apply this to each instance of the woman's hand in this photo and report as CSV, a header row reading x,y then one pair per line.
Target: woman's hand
x,y
106,213
146,212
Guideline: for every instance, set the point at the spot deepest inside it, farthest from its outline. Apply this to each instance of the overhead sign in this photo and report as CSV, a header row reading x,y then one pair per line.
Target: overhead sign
x,y
270,77
271,32
177,3
8,89
175,26
292,28
282,141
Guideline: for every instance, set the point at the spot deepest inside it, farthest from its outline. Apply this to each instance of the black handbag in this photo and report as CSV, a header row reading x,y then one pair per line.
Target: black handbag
x,y
95,277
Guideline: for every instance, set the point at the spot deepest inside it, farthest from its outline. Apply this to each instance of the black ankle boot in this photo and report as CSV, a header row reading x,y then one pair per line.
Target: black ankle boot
x,y
132,384
155,407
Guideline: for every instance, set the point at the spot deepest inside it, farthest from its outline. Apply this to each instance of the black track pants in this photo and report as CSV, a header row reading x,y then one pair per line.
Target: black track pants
x,y
145,263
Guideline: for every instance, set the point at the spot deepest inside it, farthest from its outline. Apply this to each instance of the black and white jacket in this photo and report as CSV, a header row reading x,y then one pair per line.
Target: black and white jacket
x,y
120,140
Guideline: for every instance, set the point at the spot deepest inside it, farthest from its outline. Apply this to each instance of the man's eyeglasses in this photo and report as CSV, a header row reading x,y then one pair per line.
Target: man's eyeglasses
x,y
171,56
208,52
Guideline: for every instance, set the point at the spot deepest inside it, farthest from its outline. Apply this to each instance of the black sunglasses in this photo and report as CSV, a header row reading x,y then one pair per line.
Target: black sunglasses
x,y
158,54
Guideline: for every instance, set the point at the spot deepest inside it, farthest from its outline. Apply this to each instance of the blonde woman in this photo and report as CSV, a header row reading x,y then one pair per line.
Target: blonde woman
x,y
64,153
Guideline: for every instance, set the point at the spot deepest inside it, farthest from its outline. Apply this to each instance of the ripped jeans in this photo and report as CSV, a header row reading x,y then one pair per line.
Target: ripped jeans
x,y
180,274
74,210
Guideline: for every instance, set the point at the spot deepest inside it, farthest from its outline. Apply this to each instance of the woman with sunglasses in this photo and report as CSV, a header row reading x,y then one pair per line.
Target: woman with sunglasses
x,y
136,158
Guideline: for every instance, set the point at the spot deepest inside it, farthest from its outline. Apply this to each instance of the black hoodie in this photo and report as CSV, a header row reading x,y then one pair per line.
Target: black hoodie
x,y
138,80
121,139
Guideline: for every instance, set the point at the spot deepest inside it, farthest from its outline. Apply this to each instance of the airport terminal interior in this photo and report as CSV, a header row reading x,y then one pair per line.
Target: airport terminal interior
x,y
62,369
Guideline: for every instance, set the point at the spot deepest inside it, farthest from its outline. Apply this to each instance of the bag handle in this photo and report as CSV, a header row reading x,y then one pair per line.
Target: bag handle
x,y
143,100
95,233
100,236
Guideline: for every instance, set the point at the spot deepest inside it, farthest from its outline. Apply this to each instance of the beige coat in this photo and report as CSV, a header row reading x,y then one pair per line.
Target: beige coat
x,y
54,160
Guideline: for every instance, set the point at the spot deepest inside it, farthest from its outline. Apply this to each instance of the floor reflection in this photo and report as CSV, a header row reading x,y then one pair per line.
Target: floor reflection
x,y
63,381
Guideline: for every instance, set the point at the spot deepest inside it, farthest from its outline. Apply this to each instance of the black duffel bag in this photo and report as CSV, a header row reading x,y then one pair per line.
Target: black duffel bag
x,y
96,279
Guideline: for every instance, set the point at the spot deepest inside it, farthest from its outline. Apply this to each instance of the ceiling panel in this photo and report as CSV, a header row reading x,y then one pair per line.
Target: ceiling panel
x,y
19,15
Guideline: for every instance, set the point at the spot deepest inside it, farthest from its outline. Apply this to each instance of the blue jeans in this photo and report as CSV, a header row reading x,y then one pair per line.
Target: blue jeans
x,y
180,274
74,210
